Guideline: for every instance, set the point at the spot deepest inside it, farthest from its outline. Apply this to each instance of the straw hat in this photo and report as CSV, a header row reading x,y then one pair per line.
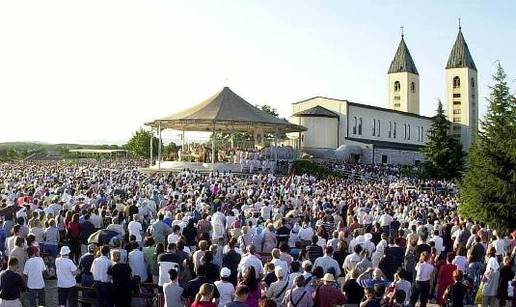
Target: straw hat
x,y
328,277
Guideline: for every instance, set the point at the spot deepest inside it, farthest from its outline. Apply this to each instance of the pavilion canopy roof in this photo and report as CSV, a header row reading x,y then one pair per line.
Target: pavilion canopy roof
x,y
225,111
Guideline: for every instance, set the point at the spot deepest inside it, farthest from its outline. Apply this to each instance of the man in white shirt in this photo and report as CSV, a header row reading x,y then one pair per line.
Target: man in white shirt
x,y
439,246
306,233
250,259
99,270
327,263
137,263
135,228
385,221
34,268
65,271
351,260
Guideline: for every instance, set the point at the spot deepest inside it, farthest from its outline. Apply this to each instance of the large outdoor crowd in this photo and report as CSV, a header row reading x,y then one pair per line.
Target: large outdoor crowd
x,y
207,240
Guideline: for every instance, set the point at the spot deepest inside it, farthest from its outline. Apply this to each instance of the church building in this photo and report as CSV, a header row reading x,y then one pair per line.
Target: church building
x,y
339,128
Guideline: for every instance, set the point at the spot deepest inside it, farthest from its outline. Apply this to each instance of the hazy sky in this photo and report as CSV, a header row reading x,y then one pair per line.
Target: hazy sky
x,y
95,71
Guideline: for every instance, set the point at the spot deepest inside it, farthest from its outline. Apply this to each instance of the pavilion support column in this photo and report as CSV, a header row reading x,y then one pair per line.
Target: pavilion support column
x,y
159,145
152,137
213,148
276,146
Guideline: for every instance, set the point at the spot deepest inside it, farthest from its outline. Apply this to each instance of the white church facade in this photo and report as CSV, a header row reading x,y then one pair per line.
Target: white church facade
x,y
396,134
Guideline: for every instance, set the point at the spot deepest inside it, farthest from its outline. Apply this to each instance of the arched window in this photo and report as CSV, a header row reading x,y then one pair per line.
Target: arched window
x,y
360,126
456,82
472,82
397,86
390,129
413,87
355,125
374,127
408,132
379,126
405,131
394,134
422,134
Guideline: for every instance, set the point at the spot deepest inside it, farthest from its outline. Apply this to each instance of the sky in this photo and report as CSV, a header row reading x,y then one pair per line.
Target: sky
x,y
95,71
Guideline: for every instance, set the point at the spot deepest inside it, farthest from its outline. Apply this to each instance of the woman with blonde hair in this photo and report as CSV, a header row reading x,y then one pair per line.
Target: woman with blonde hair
x,y
204,298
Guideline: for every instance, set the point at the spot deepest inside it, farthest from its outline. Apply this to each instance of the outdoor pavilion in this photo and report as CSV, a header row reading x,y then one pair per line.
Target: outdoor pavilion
x,y
223,112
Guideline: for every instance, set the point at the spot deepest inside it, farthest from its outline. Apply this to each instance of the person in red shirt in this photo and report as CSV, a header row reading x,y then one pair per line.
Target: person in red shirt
x,y
73,236
204,297
327,294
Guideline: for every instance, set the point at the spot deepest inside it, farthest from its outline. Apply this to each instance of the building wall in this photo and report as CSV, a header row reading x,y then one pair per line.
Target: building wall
x,y
463,103
376,125
404,99
321,132
394,156
337,106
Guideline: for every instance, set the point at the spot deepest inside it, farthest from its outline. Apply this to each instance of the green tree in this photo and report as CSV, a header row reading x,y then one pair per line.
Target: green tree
x,y
488,192
139,144
268,109
444,157
169,149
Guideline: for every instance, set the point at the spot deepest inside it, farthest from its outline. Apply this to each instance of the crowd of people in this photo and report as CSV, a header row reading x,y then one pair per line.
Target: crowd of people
x,y
220,240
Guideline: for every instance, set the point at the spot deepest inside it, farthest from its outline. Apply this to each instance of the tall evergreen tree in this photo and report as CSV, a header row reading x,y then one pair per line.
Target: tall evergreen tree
x,y
488,192
444,157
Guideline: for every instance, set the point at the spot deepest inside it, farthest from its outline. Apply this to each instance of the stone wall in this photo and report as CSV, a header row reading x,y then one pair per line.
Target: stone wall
x,y
394,156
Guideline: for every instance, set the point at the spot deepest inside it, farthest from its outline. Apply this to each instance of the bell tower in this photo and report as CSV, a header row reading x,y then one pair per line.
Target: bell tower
x,y
403,81
462,92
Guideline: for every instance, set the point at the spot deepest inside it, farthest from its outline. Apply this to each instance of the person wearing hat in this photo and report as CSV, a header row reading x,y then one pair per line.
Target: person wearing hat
x,y
66,271
327,295
278,289
225,287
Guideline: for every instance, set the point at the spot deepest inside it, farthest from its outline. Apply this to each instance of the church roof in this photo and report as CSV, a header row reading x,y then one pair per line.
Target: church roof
x,y
316,111
460,56
402,61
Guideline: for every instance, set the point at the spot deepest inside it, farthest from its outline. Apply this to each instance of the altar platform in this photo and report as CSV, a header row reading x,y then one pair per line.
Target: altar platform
x,y
178,166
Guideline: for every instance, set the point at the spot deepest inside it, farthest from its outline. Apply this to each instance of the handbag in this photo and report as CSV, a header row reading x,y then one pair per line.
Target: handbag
x,y
480,294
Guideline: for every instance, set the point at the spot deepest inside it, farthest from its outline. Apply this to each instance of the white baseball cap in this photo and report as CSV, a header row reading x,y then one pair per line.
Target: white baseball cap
x,y
65,250
225,272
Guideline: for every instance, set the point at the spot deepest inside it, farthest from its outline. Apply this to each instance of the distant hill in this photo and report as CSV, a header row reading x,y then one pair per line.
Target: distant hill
x,y
11,151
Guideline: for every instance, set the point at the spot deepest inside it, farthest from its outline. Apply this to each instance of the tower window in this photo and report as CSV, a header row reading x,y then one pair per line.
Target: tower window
x,y
397,86
456,119
412,87
456,82
360,126
456,95
472,82
456,103
355,125
456,111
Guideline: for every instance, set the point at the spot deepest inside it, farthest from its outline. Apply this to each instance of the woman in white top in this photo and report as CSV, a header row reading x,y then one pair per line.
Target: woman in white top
x,y
225,288
490,278
460,260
